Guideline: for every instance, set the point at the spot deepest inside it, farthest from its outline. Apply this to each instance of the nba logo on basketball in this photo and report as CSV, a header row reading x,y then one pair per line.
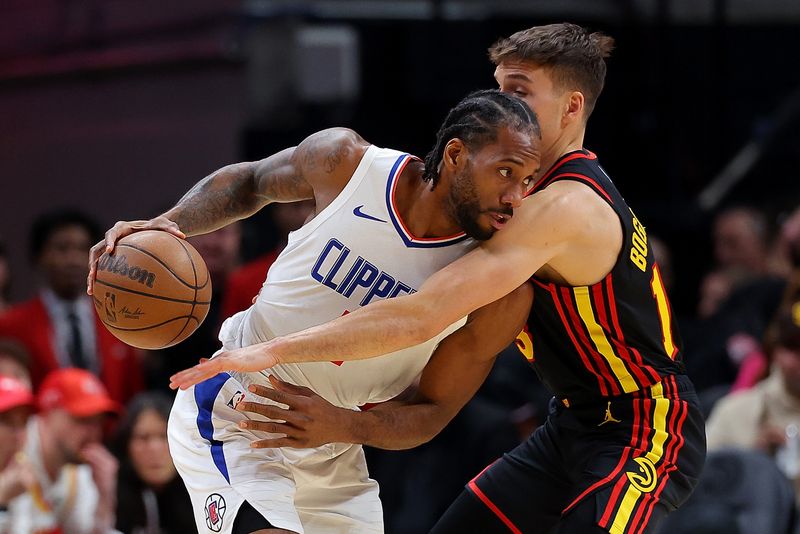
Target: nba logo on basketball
x,y
215,511
110,305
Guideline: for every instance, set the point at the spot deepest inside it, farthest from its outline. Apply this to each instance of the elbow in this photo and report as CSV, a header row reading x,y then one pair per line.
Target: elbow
x,y
429,430
420,437
422,329
427,323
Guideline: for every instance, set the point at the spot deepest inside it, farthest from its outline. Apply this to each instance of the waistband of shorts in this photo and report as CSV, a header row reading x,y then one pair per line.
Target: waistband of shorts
x,y
670,386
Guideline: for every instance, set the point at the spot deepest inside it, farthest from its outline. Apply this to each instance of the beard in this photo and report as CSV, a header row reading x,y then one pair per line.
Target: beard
x,y
464,206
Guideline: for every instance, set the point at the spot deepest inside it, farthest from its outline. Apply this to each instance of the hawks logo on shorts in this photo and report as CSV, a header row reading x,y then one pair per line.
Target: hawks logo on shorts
x,y
215,511
645,480
524,344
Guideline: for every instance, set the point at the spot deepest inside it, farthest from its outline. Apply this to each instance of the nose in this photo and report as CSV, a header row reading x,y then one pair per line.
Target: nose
x,y
513,196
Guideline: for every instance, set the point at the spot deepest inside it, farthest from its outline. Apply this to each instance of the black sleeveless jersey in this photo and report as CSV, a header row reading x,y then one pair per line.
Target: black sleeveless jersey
x,y
611,338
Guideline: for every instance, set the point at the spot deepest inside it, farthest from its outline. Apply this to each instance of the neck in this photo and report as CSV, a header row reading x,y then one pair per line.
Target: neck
x,y
421,209
563,145
52,459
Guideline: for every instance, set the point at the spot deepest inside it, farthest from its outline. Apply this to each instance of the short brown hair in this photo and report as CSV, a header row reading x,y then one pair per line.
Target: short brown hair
x,y
786,329
16,351
576,56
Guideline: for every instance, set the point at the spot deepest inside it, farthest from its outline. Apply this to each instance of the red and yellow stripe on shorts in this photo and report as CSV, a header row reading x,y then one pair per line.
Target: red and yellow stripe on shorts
x,y
644,468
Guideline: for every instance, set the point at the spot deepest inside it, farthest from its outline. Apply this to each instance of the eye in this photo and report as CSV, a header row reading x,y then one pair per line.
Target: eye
x,y
519,94
504,172
527,181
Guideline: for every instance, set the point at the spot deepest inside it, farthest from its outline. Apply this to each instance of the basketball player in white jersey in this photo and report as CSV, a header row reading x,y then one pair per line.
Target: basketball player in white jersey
x,y
384,222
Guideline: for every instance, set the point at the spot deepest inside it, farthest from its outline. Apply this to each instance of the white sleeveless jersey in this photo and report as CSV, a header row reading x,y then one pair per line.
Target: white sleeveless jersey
x,y
354,252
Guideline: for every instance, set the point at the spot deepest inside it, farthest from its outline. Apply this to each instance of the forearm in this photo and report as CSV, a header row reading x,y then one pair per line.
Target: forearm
x,y
219,199
381,328
105,516
386,326
396,425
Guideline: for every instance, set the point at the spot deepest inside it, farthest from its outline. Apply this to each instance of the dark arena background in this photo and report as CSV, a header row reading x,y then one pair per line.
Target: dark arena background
x,y
116,107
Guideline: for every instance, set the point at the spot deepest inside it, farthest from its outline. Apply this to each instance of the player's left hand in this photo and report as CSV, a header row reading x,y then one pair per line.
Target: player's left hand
x,y
246,360
309,421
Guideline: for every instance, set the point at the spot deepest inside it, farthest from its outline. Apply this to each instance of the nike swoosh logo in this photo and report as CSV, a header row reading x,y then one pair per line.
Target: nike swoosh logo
x,y
358,213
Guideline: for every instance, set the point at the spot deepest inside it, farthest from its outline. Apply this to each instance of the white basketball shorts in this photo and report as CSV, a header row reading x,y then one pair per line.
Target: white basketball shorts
x,y
325,490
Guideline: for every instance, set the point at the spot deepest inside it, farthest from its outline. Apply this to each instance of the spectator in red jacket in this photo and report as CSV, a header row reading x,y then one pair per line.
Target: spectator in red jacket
x,y
16,406
59,327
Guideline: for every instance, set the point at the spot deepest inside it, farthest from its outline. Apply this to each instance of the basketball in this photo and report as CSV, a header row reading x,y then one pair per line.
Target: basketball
x,y
153,291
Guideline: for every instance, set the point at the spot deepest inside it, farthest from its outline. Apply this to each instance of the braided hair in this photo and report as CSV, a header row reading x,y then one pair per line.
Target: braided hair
x,y
476,120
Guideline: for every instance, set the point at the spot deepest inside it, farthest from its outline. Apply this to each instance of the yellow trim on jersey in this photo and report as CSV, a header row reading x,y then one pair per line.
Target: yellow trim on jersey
x,y
664,315
586,311
646,463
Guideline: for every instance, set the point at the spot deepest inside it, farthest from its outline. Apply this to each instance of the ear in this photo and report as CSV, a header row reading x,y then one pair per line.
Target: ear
x,y
454,153
573,110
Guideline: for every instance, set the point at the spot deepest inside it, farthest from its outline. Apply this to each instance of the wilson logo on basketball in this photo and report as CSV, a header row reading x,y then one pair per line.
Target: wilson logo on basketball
x,y
119,265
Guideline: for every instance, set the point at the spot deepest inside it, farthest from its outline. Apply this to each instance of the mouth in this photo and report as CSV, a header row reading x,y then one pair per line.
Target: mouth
x,y
499,220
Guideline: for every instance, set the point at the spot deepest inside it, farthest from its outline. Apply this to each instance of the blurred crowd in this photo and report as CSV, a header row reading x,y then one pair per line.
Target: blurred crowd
x,y
84,416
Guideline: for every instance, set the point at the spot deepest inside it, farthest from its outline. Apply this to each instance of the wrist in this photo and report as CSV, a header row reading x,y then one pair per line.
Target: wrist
x,y
105,515
272,349
5,495
349,426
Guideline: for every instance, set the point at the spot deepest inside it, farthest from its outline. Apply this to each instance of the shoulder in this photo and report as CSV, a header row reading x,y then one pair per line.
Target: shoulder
x,y
734,419
24,312
569,198
738,404
327,159
571,209
560,209
330,149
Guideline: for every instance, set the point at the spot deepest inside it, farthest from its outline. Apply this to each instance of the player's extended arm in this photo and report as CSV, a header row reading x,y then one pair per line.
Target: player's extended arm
x,y
456,370
542,228
318,168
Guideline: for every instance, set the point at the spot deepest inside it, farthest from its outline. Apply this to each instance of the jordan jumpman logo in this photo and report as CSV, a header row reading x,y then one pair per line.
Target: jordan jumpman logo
x,y
609,418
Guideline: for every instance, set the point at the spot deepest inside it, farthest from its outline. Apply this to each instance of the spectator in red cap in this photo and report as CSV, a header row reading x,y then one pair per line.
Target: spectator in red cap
x,y
16,405
15,361
74,486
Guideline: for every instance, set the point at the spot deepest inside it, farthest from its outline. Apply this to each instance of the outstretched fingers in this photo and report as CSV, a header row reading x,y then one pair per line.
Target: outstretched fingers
x,y
200,372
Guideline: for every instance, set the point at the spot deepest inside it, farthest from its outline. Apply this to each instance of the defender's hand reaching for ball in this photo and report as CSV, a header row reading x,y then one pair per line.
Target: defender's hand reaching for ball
x,y
120,230
247,359
309,420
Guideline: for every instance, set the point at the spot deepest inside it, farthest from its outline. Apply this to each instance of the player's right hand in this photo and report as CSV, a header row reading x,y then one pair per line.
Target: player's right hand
x,y
120,230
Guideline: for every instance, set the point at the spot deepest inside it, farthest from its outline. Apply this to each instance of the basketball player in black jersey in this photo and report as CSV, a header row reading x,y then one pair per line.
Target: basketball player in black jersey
x,y
624,443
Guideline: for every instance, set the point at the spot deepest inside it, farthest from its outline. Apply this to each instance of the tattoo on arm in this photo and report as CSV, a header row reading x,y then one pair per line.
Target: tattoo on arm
x,y
239,190
279,188
219,199
327,149
335,157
